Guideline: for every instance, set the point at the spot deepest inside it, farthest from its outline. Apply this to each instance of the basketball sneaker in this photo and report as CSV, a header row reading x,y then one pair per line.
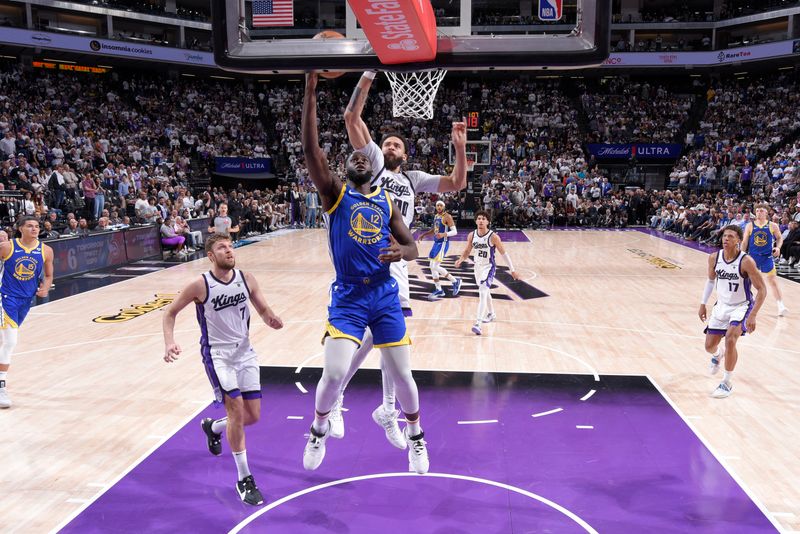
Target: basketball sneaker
x,y
5,401
723,390
456,286
491,316
314,452
437,294
476,329
213,440
248,491
417,453
387,419
336,420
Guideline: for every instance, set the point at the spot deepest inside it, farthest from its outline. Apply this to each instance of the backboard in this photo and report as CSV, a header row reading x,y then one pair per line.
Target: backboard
x,y
471,35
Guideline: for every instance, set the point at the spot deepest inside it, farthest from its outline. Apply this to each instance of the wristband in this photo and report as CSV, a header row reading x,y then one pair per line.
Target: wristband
x,y
369,74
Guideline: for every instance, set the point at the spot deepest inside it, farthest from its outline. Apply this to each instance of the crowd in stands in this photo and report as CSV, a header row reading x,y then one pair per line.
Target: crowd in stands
x,y
623,112
91,154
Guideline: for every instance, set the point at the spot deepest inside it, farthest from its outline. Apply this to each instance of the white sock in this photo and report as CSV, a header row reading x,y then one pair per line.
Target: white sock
x,y
388,402
717,352
241,464
780,304
3,375
219,425
438,284
450,277
726,377
414,429
320,424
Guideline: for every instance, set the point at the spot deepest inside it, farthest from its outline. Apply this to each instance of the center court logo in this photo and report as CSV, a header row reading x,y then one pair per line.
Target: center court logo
x,y
366,222
137,310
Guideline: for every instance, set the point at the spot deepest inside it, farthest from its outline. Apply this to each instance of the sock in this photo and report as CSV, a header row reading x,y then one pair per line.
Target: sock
x,y
450,277
413,427
438,284
3,376
726,377
780,304
241,464
219,425
718,352
388,402
320,424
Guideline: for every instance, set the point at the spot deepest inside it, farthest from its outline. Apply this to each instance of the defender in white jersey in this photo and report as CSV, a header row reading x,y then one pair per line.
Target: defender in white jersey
x,y
734,274
484,242
387,161
222,297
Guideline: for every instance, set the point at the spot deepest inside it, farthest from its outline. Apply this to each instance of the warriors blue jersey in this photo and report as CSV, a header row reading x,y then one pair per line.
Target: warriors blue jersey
x,y
439,228
22,270
358,227
760,247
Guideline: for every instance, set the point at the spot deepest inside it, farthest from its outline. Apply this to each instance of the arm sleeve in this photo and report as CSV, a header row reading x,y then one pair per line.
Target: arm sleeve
x,y
707,291
452,231
508,262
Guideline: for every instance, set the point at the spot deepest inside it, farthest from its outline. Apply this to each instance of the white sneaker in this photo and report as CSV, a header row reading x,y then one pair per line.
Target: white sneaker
x,y
336,420
476,329
387,420
5,401
314,452
417,453
723,390
783,261
716,361
782,311
489,317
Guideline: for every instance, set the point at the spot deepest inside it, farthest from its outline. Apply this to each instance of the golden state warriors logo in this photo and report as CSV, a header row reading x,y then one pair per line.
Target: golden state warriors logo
x,y
25,269
760,238
366,222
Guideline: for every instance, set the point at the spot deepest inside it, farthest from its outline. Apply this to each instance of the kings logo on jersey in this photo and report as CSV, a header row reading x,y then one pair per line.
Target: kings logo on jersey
x,y
550,10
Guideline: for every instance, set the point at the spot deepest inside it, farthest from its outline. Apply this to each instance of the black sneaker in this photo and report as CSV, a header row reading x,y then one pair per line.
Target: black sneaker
x,y
248,491
214,439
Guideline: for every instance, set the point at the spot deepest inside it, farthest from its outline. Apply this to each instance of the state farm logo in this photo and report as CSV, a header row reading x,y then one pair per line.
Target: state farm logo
x,y
393,23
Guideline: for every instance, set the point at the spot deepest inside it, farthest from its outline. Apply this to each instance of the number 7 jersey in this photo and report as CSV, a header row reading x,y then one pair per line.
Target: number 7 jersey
x,y
733,286
224,316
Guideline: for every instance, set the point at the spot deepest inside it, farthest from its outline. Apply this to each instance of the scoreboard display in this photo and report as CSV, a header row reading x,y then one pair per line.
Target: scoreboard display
x,y
473,120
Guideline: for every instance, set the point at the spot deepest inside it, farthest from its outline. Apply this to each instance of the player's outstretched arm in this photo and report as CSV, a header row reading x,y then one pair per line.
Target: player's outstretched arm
x,y
425,234
357,130
260,303
709,287
194,292
402,245
467,250
326,182
498,243
750,269
458,178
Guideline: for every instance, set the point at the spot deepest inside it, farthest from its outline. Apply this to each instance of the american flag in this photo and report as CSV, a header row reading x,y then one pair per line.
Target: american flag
x,y
273,13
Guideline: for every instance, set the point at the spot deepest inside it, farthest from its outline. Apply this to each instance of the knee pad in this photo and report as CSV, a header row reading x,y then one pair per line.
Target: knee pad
x,y
8,342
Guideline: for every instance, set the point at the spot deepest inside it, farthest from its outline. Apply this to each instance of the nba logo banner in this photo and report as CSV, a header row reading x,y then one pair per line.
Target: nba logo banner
x,y
550,10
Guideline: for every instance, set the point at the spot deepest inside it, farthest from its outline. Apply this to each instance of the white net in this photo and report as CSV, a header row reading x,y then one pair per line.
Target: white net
x,y
413,93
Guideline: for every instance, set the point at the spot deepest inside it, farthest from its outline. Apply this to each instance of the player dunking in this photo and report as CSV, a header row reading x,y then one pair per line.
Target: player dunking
x,y
387,162
222,298
443,229
365,233
27,270
733,273
484,242
763,240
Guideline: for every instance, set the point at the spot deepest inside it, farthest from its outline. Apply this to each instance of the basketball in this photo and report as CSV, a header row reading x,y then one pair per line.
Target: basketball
x,y
329,34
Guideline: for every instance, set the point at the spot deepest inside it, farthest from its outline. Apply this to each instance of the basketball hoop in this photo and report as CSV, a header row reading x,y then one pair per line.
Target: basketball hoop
x,y
413,93
470,165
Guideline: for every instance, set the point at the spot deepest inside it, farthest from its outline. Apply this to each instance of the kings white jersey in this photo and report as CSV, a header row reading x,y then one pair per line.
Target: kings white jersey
x,y
402,185
733,286
224,316
483,249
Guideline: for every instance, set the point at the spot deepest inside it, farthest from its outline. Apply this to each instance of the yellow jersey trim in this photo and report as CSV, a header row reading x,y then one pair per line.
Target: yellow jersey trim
x,y
377,190
391,204
335,333
7,322
338,200
405,341
23,247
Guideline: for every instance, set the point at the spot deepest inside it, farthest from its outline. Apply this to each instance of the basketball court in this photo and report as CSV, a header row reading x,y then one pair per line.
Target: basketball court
x,y
585,407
